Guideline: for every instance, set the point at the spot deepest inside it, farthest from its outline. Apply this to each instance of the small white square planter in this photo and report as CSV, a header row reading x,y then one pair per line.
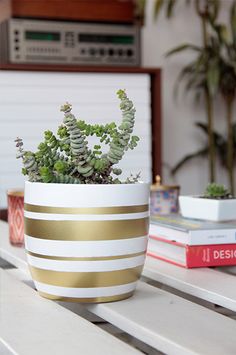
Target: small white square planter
x,y
207,209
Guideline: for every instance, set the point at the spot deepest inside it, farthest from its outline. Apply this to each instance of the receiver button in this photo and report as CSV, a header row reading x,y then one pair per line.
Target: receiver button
x,y
120,52
130,53
92,51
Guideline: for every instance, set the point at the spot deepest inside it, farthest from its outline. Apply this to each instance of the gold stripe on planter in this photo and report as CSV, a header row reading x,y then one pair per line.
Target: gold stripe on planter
x,y
98,258
86,230
89,299
86,210
86,279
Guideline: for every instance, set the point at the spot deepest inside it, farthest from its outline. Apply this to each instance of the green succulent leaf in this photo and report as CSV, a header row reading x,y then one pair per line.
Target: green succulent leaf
x,y
46,174
216,190
60,166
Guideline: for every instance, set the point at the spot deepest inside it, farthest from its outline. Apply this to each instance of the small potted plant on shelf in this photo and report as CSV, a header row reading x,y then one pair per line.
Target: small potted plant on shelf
x,y
216,204
85,229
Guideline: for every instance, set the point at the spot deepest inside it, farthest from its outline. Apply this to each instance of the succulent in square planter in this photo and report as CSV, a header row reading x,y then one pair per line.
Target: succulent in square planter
x,y
216,204
217,191
85,229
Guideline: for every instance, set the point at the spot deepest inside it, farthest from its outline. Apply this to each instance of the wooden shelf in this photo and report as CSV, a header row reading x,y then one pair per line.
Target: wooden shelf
x,y
155,76
76,68
79,10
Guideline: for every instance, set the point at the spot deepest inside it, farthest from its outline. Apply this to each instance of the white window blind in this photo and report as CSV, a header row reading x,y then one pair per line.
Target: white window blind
x,y
30,104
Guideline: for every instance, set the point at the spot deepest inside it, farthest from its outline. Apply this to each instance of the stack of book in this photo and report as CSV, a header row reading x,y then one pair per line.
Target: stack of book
x,y
192,243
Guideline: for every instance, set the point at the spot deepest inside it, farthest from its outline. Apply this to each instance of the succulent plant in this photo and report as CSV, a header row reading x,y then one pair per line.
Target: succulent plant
x,y
67,158
214,190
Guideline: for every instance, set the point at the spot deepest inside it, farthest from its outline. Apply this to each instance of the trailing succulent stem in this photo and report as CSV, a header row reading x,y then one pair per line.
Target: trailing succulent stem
x,y
66,158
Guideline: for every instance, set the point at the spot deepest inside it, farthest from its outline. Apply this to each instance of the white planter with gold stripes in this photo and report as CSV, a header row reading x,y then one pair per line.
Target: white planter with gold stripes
x,y
86,243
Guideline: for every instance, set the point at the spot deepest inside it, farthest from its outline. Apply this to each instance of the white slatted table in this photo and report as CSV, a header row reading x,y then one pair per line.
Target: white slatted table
x,y
166,322
215,285
30,324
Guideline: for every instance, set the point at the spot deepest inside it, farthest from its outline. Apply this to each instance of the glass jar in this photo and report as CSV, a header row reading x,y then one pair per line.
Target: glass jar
x,y
15,199
164,198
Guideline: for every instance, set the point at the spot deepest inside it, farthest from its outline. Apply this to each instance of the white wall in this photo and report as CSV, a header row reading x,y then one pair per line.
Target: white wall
x,y
30,103
179,135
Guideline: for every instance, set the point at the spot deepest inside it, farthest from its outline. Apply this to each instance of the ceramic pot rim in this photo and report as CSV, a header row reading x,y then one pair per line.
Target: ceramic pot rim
x,y
142,183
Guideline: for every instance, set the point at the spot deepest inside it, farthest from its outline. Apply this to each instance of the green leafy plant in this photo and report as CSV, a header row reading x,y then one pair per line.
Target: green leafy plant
x,y
212,71
218,191
66,158
221,143
200,74
167,5
225,70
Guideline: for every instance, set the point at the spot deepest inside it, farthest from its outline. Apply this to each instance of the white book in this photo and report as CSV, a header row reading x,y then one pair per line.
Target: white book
x,y
191,231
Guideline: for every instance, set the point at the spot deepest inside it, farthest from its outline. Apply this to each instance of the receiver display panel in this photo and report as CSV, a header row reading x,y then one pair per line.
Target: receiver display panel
x,y
100,38
42,36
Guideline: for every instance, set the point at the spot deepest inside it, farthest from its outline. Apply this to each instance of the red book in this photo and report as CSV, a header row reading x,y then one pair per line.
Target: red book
x,y
191,256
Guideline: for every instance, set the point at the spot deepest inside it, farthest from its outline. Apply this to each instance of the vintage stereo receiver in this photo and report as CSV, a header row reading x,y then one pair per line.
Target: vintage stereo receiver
x,y
57,42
